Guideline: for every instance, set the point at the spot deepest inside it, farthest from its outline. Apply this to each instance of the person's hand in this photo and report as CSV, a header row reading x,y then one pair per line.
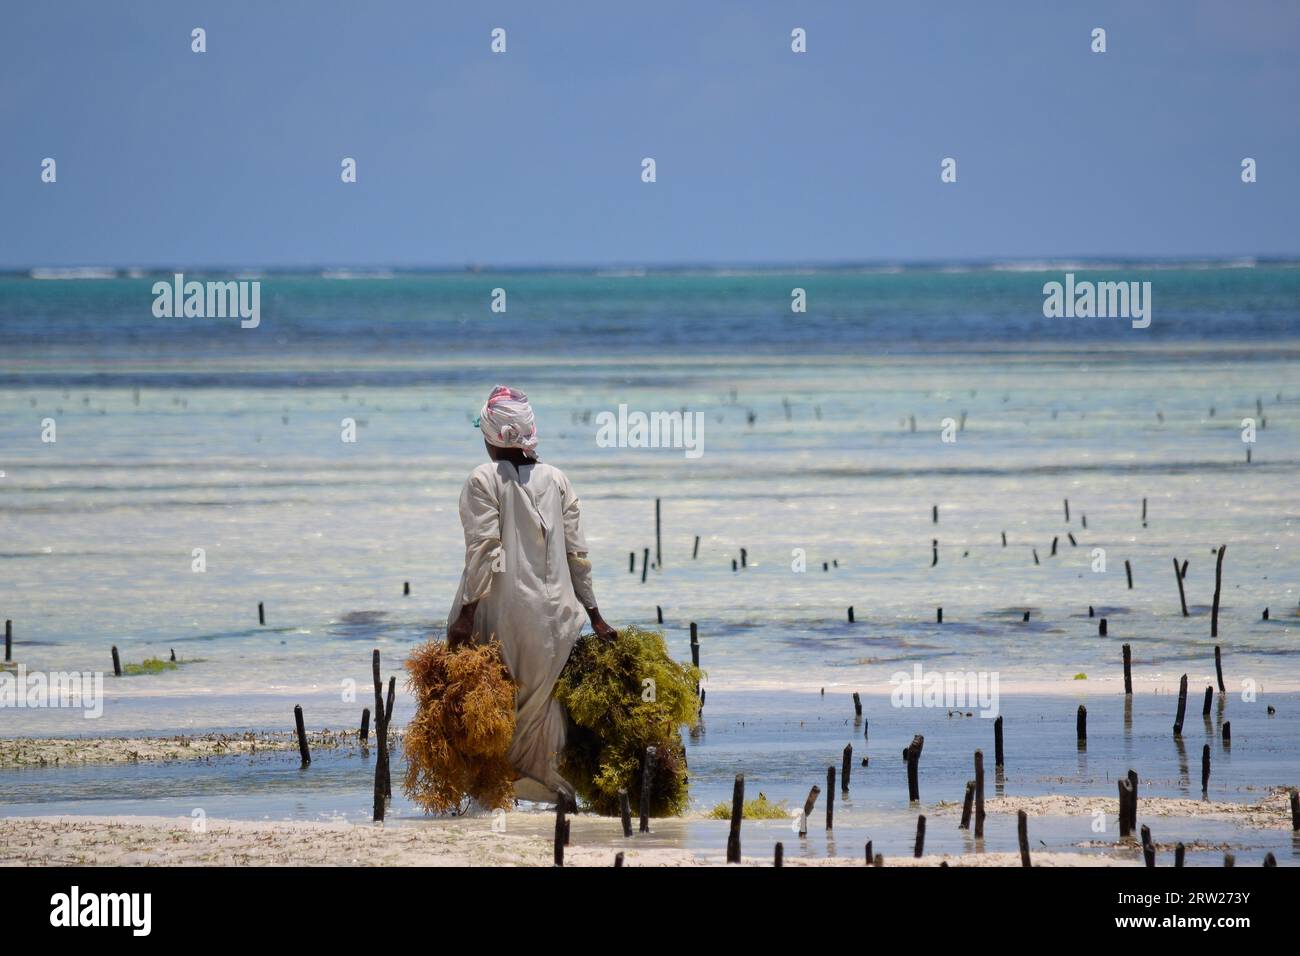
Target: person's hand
x,y
599,627
462,629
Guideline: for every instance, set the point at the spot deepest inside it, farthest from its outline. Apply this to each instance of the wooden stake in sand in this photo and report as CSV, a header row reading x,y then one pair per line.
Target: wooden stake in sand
x,y
561,830
1128,569
1218,667
919,847
1148,848
1133,800
647,774
737,811
618,860
1182,706
1218,586
364,736
625,810
870,858
912,754
998,761
979,794
303,751
1182,595
1022,834
966,806
261,613
1125,796
1205,769
830,798
1128,670
1081,727
117,663
381,738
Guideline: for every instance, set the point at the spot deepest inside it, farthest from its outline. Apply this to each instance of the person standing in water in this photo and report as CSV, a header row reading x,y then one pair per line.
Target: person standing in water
x,y
527,582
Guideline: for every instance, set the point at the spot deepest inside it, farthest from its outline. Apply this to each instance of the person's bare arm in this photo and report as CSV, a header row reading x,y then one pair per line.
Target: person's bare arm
x,y
462,629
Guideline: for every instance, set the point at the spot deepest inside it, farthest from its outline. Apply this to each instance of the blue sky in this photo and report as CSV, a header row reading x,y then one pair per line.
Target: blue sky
x,y
171,158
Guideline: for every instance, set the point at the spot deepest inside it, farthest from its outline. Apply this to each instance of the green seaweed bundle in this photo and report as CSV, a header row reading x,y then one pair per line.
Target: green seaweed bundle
x,y
624,696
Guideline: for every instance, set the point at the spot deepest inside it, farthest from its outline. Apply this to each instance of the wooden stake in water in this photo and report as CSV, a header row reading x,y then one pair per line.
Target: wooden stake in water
x,y
913,757
1182,706
1180,855
1101,627
1067,510
9,640
808,806
1205,769
1227,733
645,564
938,615
364,736
1081,727
846,767
998,760
618,860
406,589
647,774
117,663
302,735
1209,696
850,613
919,847
659,556
857,705
1148,847
1218,667
737,811
1295,811
966,806
778,854
1128,570
1022,834
979,794
261,613
659,614
1218,587
631,562
1128,670
695,553
1182,594
830,798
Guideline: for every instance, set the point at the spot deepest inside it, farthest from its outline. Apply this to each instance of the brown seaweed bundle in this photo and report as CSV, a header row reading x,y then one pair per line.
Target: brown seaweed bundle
x,y
456,745
624,696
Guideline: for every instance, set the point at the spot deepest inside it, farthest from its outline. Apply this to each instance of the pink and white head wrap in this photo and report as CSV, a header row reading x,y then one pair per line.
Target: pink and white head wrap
x,y
507,420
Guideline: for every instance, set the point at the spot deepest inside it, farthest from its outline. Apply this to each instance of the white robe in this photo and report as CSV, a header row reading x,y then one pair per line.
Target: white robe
x,y
526,564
